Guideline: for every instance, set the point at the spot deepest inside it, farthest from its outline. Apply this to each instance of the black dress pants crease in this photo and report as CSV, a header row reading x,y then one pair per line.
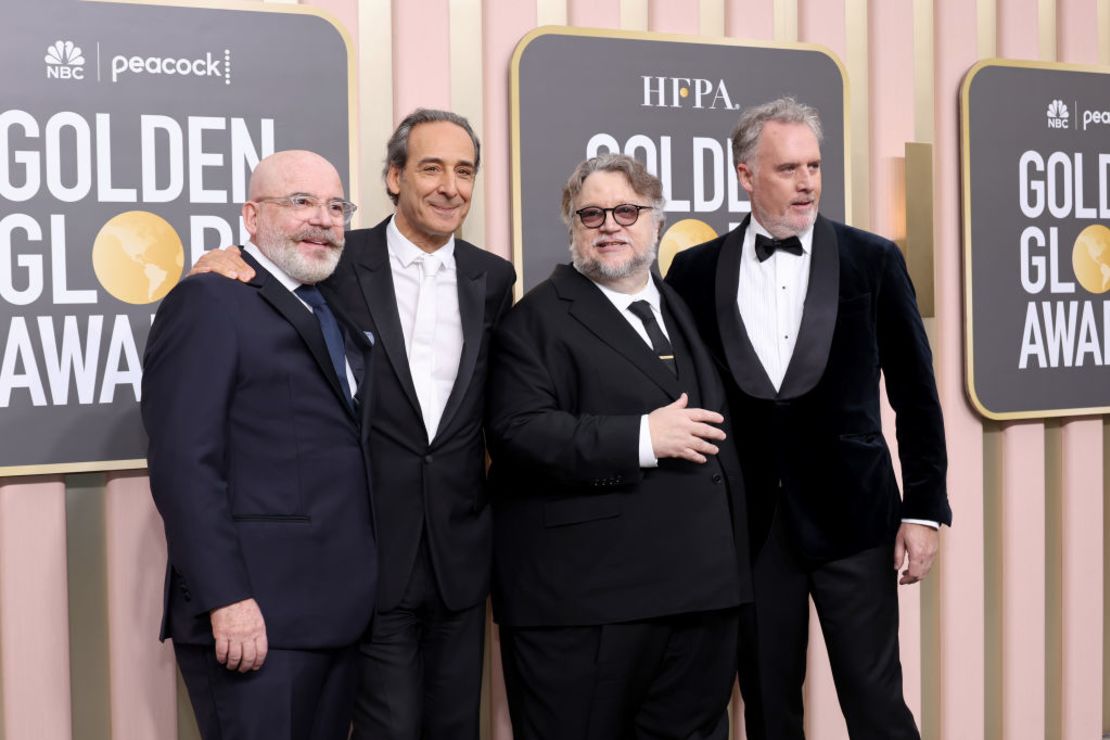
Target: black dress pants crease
x,y
420,667
296,695
660,679
856,599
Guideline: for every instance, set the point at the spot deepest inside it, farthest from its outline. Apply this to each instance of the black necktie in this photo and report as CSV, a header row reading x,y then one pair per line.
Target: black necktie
x,y
659,343
329,327
765,246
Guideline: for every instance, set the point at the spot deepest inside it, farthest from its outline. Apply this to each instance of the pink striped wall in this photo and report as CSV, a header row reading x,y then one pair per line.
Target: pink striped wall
x,y
1004,640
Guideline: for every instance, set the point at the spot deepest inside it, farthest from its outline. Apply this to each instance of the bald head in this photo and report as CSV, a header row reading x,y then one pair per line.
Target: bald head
x,y
289,171
288,216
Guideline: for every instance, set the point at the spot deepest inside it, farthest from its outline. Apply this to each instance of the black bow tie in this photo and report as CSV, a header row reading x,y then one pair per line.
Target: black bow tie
x,y
765,246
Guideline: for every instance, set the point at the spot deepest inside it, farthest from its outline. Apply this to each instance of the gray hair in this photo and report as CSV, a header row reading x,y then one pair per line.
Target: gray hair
x,y
745,136
397,150
643,182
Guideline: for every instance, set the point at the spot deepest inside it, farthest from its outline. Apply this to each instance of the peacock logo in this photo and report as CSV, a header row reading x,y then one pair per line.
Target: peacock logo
x,y
1057,114
64,61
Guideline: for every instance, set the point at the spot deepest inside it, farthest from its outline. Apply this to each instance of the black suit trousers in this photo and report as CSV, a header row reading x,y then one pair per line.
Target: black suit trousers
x,y
420,666
659,679
857,604
296,695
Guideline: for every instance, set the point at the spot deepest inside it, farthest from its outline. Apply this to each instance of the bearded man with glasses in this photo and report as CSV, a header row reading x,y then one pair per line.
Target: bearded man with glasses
x,y
262,476
616,495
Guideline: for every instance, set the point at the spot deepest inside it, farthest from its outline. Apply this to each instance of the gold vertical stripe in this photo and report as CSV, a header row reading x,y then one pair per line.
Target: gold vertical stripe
x,y
634,15
87,577
711,17
551,12
923,121
468,94
1054,575
992,581
919,224
858,51
786,20
1046,24
375,106
186,720
987,20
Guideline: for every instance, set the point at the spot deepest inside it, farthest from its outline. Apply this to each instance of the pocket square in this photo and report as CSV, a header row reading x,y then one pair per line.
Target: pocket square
x,y
369,337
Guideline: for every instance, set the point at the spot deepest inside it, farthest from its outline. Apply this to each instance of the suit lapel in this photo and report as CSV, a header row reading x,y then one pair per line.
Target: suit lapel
x,y
472,292
708,386
743,362
811,351
598,315
295,312
376,282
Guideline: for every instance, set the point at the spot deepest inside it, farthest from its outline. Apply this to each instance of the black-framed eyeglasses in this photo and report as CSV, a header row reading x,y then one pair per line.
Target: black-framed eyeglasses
x,y
303,205
624,214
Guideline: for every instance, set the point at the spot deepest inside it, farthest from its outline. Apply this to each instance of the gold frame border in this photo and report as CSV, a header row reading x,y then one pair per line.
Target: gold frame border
x,y
514,109
965,231
95,466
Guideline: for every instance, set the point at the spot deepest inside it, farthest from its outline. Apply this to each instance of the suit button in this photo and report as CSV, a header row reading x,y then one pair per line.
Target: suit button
x,y
428,459
717,478
780,485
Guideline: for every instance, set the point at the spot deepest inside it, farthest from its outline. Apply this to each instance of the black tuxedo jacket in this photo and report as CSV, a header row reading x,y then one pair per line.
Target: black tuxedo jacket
x,y
258,464
582,534
438,488
817,443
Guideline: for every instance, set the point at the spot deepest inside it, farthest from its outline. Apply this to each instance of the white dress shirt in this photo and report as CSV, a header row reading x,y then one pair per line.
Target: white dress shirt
x,y
771,295
291,285
621,301
438,349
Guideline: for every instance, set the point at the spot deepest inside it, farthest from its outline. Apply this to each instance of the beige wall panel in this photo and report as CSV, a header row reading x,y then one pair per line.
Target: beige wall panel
x,y
750,19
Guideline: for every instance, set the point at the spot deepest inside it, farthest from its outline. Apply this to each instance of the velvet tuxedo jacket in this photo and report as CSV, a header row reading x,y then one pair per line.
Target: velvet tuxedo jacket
x,y
436,490
258,464
815,448
582,534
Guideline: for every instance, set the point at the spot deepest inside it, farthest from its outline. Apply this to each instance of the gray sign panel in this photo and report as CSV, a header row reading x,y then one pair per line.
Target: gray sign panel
x,y
127,136
1036,204
669,101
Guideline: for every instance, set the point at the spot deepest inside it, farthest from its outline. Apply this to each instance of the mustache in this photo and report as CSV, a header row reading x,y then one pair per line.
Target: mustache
x,y
310,233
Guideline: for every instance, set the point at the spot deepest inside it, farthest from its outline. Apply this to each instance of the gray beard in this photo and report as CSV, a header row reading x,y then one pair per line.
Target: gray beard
x,y
282,251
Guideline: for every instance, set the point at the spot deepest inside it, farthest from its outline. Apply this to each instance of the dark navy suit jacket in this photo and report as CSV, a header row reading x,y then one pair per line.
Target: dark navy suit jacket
x,y
258,465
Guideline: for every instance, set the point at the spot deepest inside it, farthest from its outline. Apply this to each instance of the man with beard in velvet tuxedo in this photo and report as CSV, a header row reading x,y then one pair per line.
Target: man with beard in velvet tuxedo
x,y
806,314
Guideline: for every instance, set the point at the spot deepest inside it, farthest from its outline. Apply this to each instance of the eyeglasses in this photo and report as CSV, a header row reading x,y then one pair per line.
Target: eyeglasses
x,y
625,214
340,211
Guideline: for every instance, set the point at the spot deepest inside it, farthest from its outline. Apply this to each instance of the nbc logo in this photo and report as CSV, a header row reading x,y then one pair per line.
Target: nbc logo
x,y
65,61
1057,114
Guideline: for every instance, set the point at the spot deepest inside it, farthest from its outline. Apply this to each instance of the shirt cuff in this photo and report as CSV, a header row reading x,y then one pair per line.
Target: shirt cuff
x,y
925,522
647,454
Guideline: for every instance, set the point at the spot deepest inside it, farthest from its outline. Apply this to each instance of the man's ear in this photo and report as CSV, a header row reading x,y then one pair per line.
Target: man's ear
x,y
393,180
250,217
744,175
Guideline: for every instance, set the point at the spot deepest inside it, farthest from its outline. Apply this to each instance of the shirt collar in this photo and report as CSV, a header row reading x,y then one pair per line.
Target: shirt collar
x,y
806,237
622,301
278,274
405,252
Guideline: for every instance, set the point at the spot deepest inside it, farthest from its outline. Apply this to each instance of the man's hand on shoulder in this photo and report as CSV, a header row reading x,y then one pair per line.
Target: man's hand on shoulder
x,y
677,431
240,634
919,544
226,262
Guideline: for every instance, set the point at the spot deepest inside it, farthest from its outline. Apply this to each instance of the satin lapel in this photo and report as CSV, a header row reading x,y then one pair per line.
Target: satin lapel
x,y
747,371
472,291
594,311
811,351
376,282
295,312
